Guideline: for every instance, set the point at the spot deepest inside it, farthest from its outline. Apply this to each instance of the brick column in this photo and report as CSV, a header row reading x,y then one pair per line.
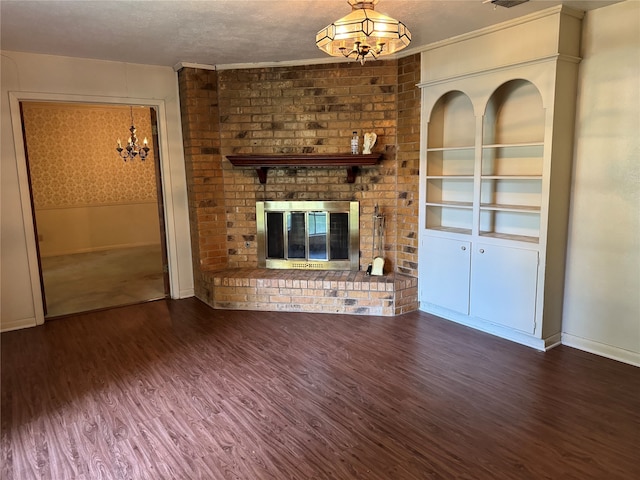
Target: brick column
x,y
408,157
205,189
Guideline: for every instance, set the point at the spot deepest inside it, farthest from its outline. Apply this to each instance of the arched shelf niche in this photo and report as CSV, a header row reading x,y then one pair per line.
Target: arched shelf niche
x,y
512,162
514,114
450,164
452,122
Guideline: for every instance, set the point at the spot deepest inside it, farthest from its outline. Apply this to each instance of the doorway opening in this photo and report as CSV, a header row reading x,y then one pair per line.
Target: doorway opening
x,y
99,220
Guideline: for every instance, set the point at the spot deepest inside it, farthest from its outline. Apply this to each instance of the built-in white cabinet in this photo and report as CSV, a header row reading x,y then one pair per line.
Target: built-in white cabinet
x,y
490,282
503,285
497,133
446,280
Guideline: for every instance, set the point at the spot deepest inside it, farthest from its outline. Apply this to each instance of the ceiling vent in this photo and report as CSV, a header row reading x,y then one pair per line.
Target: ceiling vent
x,y
506,3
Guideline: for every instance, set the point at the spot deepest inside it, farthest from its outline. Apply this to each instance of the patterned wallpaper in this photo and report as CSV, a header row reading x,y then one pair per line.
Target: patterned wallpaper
x,y
72,156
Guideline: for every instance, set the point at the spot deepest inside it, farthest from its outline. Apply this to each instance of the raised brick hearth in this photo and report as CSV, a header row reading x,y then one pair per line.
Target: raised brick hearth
x,y
311,291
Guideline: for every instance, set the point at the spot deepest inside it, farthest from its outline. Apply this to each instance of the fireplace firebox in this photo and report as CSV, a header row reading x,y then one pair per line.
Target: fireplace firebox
x,y
310,235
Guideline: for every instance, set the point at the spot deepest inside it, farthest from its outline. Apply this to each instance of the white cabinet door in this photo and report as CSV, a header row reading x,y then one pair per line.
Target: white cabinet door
x,y
503,285
444,280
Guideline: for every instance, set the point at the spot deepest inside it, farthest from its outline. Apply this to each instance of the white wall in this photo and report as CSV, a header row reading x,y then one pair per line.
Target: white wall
x,y
34,77
602,290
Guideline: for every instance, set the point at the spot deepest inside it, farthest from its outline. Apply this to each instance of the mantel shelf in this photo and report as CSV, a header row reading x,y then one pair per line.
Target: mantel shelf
x,y
262,163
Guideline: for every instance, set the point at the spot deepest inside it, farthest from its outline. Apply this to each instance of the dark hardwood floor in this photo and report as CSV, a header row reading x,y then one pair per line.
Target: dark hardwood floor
x,y
175,390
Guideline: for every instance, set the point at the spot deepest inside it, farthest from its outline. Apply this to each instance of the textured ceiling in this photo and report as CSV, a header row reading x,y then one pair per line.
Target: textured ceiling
x,y
223,32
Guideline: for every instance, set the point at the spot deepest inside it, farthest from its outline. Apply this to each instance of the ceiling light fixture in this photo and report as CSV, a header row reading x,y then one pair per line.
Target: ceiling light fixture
x,y
364,33
132,150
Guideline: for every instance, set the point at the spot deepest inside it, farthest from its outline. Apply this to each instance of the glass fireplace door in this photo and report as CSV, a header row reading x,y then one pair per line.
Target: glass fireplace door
x,y
308,235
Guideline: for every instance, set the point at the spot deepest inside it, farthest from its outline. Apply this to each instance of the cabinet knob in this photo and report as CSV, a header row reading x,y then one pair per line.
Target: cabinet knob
x,y
481,250
463,248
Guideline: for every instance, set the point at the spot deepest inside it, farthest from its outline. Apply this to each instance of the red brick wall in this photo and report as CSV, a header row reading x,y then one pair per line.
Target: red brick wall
x,y
408,158
303,109
200,122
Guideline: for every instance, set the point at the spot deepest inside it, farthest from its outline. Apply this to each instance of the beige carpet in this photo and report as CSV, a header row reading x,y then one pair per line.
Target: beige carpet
x,y
90,281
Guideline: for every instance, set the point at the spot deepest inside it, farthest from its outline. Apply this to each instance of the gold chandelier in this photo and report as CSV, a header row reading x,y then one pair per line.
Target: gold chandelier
x,y
364,33
132,150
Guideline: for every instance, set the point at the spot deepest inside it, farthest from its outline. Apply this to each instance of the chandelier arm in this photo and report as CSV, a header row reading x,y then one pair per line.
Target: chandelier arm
x,y
143,152
124,155
348,54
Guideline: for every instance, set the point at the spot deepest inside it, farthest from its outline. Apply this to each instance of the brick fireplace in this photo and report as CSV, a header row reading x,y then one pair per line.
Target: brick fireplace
x,y
301,110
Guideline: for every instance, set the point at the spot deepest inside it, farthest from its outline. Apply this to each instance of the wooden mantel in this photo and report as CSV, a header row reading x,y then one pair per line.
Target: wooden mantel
x,y
262,163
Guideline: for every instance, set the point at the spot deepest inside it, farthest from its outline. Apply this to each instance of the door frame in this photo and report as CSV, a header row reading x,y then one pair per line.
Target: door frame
x,y
25,193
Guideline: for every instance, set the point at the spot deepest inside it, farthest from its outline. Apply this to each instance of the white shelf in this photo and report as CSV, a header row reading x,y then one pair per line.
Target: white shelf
x,y
450,177
510,208
523,160
449,216
509,221
514,145
514,193
450,149
464,205
451,162
458,230
507,236
510,177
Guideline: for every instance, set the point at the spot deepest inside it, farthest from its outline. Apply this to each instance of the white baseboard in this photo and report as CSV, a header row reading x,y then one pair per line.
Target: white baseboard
x,y
187,293
493,329
18,324
553,341
602,349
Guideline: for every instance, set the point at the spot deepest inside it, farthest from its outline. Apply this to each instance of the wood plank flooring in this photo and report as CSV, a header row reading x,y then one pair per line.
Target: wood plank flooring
x,y
175,390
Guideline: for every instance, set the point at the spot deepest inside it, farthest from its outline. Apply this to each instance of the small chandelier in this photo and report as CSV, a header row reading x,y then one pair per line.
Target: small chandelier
x,y
132,150
364,33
